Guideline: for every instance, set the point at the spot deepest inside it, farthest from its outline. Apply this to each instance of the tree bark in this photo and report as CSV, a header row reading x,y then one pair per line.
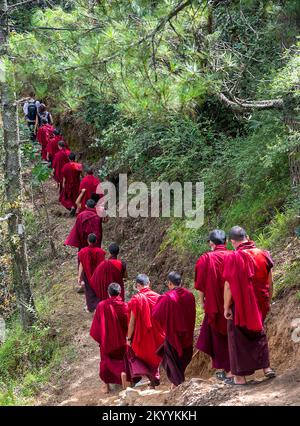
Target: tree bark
x,y
245,106
13,187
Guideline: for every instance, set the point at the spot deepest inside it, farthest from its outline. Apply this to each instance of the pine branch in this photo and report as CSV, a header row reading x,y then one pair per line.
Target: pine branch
x,y
240,105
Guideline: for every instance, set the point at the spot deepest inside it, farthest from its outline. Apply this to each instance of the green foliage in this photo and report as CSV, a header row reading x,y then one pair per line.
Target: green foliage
x,y
26,361
40,173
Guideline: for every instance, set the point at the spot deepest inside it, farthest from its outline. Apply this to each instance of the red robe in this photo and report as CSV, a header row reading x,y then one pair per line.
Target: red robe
x,y
247,270
71,172
109,271
43,136
209,280
109,329
90,257
89,183
52,145
148,334
60,159
176,313
87,222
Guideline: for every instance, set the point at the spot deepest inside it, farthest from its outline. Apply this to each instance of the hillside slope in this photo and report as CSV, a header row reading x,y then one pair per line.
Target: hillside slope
x,y
77,382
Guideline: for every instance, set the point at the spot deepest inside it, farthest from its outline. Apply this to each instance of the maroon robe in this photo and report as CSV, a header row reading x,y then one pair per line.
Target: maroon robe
x,y
60,159
176,313
247,270
109,271
148,337
213,333
52,146
90,257
89,183
87,222
109,329
71,172
43,136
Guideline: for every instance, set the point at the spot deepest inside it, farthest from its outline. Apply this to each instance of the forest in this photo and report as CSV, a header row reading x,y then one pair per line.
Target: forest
x,y
161,90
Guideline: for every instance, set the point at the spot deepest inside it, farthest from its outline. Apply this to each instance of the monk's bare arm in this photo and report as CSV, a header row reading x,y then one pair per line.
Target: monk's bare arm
x,y
270,280
63,182
131,326
227,301
80,270
79,198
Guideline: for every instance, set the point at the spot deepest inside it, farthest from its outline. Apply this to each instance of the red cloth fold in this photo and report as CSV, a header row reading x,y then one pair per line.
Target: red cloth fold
x,y
43,136
246,271
209,280
90,257
60,159
71,172
89,183
148,334
87,222
176,313
109,326
105,274
52,145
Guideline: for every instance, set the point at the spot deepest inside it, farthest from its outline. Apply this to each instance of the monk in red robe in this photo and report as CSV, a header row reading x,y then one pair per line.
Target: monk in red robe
x,y
110,270
209,281
52,146
176,313
60,159
87,188
71,173
109,329
145,336
43,136
89,258
247,294
87,222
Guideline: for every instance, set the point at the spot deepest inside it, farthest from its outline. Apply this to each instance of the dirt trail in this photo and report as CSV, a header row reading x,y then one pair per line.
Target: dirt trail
x,y
77,382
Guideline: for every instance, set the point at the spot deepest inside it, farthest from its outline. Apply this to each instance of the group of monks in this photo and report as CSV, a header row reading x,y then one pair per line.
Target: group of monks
x,y
153,330
150,330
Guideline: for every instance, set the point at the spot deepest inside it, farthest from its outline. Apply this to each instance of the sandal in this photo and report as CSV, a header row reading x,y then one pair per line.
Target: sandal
x,y
270,374
221,375
230,381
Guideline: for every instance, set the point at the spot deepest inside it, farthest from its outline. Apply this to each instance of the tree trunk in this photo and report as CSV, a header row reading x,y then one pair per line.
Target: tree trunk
x,y
13,188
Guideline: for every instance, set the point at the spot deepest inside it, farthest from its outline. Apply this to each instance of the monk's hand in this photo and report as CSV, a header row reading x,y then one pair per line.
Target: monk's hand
x,y
228,314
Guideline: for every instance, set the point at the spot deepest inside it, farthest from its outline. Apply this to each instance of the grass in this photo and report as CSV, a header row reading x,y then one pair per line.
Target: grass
x,y
26,361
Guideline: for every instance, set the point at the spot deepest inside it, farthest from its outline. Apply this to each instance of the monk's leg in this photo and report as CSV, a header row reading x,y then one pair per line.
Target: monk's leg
x,y
105,388
125,383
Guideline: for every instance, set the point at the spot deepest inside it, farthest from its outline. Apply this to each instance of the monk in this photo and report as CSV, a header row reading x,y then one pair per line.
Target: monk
x,y
87,188
60,159
43,136
209,281
110,270
109,329
145,336
52,145
247,294
71,173
87,222
176,313
89,258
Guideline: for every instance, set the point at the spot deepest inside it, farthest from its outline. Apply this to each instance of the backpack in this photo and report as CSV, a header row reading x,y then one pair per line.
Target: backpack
x,y
32,111
45,116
